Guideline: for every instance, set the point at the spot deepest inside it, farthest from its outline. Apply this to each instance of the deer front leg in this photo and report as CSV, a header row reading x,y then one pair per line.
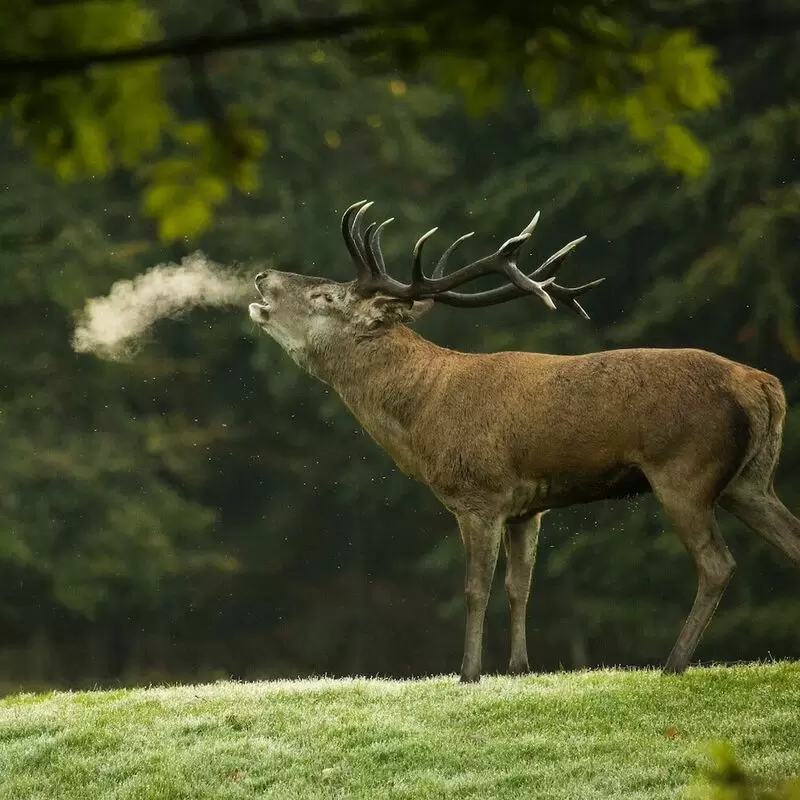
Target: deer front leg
x,y
481,536
520,542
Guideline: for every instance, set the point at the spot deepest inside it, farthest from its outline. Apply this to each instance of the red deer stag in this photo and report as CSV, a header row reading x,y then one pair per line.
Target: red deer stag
x,y
501,438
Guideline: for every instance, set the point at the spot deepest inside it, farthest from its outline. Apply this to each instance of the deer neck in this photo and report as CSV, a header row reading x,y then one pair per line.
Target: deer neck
x,y
386,381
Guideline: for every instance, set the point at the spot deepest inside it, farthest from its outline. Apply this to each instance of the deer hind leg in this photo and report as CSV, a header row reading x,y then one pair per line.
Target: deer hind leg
x,y
481,538
693,519
520,542
761,510
750,496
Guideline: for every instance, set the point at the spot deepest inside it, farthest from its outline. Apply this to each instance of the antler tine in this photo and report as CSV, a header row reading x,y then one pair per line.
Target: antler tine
x,y
438,270
529,228
366,243
347,232
372,250
373,247
556,259
349,211
356,229
567,295
350,228
417,274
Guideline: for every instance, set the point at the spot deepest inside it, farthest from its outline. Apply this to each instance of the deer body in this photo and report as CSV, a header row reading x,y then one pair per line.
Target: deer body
x,y
501,438
527,432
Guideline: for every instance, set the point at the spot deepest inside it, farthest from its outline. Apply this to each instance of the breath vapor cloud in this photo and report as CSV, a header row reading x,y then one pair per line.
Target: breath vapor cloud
x,y
114,326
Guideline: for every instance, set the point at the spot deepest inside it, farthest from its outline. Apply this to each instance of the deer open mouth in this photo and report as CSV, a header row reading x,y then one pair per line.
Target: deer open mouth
x,y
259,312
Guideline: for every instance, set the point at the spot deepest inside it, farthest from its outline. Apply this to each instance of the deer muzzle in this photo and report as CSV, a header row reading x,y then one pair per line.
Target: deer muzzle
x,y
259,312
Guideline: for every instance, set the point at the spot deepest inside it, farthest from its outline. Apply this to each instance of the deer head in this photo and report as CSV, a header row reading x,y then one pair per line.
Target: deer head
x,y
309,316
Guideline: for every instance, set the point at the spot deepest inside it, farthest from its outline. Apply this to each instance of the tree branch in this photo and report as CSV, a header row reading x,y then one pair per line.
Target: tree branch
x,y
281,31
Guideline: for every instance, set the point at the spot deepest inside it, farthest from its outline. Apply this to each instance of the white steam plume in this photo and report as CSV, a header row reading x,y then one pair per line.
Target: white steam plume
x,y
114,325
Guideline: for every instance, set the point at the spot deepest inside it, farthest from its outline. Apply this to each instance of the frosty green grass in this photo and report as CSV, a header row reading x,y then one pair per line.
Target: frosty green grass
x,y
593,734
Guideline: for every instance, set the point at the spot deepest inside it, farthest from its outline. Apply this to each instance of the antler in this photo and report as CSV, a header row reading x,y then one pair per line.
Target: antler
x,y
372,277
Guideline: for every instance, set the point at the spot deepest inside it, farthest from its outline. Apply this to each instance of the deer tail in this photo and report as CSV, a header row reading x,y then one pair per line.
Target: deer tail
x,y
766,412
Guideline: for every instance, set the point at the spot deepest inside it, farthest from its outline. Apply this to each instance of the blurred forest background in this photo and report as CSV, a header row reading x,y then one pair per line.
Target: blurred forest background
x,y
207,510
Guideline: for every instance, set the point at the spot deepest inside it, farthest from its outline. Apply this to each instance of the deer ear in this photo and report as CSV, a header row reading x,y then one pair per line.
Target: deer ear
x,y
418,308
386,310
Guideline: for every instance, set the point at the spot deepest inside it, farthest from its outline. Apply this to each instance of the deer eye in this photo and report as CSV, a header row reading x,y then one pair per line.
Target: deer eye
x,y
326,296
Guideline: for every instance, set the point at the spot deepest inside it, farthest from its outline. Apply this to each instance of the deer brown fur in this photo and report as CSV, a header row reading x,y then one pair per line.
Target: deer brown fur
x,y
501,438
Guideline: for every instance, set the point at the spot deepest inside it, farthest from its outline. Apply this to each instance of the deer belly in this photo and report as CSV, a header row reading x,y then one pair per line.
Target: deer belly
x,y
560,490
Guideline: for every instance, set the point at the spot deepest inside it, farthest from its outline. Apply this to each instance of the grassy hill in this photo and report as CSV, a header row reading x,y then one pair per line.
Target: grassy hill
x,y
596,734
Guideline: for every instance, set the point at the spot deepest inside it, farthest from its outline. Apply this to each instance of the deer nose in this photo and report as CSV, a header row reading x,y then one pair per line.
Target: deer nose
x,y
261,278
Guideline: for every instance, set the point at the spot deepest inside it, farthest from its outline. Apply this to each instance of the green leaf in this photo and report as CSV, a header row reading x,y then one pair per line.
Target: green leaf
x,y
681,151
160,197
